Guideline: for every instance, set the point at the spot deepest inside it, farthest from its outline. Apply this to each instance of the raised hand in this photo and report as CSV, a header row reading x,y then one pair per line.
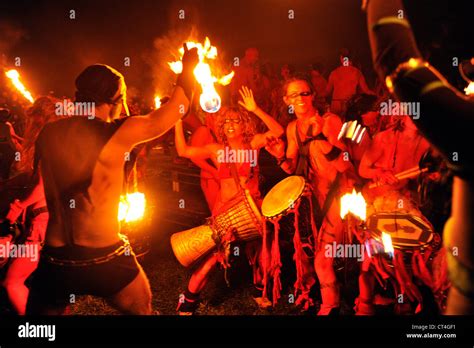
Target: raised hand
x,y
275,147
186,79
248,101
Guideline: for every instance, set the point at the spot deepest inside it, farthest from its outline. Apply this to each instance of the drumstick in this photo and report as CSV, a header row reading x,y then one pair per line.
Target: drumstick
x,y
408,171
407,174
412,174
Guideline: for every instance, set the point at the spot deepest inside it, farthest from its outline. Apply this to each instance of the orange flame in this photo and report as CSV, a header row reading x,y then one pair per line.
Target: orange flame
x,y
14,76
353,203
210,100
469,89
131,207
157,102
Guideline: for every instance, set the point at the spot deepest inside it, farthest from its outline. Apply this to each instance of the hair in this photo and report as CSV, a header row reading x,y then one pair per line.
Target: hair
x,y
297,77
98,83
248,126
43,111
360,104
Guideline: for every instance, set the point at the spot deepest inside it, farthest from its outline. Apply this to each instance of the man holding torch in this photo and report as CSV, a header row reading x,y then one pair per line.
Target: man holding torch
x,y
81,161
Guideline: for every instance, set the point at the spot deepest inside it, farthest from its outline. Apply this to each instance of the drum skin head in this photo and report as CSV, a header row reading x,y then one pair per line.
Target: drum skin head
x,y
282,196
407,231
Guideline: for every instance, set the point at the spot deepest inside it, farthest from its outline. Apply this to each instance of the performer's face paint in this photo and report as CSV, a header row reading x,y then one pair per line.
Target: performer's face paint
x,y
299,95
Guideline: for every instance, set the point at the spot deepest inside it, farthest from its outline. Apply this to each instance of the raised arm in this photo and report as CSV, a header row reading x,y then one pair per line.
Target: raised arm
x,y
275,129
140,129
184,150
198,139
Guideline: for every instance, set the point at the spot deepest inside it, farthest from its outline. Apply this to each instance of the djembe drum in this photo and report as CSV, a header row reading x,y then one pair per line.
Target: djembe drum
x,y
240,216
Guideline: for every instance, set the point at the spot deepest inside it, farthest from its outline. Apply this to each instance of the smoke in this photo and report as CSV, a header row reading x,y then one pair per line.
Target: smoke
x,y
165,49
10,35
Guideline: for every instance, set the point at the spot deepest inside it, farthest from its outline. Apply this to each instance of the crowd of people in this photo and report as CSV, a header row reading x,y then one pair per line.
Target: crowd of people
x,y
298,117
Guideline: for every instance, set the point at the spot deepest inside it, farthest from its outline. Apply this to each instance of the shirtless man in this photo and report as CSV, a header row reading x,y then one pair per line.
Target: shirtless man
x,y
82,164
344,82
314,137
392,151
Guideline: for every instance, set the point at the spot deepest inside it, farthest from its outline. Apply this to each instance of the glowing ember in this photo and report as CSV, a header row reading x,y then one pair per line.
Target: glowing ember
x,y
157,102
353,203
209,100
131,207
14,76
387,243
469,89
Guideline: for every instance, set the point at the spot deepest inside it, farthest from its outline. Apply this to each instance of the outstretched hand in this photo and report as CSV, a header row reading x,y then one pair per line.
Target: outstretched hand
x,y
248,101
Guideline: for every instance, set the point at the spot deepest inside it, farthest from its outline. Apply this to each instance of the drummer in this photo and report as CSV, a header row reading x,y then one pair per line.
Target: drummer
x,y
398,148
315,152
236,136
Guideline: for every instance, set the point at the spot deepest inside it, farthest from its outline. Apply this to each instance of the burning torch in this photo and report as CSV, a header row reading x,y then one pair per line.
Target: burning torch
x,y
132,205
14,76
209,100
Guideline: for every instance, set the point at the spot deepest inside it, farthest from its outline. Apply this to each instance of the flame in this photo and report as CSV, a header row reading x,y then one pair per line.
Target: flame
x,y
157,102
353,203
131,207
469,89
14,76
387,243
210,100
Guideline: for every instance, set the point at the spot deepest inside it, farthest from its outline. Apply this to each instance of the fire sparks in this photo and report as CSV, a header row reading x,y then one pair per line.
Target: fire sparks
x,y
157,102
209,100
387,243
131,207
469,89
14,76
353,203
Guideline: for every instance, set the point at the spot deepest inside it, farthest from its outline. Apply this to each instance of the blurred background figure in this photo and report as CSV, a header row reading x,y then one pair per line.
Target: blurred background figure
x,y
345,81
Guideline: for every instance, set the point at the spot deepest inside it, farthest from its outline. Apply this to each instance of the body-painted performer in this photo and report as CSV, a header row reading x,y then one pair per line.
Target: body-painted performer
x,y
82,159
235,131
20,268
399,62
315,152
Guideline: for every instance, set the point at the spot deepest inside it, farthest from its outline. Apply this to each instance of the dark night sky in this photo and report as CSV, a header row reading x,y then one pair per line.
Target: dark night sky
x,y
55,48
